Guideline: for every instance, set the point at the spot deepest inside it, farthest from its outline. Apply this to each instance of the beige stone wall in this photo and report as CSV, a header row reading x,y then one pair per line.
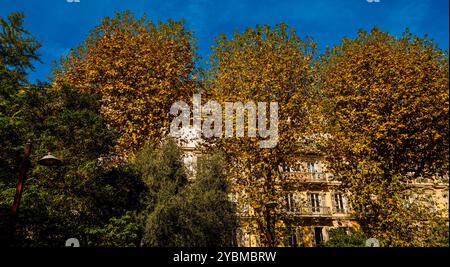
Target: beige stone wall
x,y
307,223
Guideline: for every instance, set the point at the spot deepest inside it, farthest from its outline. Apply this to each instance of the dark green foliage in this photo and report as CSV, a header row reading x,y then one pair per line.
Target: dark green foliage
x,y
161,168
340,238
196,215
210,203
120,231
83,197
17,51
440,235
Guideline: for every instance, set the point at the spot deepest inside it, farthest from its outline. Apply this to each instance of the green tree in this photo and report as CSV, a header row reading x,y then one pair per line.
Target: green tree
x,y
89,191
182,214
209,207
161,168
340,238
18,49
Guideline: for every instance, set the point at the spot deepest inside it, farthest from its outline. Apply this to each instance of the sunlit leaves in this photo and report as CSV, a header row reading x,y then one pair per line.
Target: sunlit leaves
x,y
139,68
265,64
387,103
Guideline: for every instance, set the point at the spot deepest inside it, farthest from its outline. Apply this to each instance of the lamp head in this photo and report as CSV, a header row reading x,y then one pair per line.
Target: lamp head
x,y
49,160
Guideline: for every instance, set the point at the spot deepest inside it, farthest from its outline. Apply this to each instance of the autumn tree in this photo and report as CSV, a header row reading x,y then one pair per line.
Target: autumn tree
x,y
264,64
139,68
386,100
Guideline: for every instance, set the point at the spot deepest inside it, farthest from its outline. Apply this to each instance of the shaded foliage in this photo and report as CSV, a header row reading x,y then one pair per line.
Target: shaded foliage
x,y
68,200
340,238
195,214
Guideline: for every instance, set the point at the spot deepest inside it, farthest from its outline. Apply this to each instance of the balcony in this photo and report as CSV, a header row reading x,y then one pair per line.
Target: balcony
x,y
321,212
309,177
438,182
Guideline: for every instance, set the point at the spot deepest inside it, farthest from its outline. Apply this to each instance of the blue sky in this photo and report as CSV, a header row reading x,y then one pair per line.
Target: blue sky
x,y
60,25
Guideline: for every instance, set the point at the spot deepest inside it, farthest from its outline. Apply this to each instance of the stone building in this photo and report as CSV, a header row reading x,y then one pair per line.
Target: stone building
x,y
314,203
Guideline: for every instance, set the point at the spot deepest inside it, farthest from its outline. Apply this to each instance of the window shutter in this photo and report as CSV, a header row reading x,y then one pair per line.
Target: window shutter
x,y
309,205
294,203
299,233
322,208
333,201
344,200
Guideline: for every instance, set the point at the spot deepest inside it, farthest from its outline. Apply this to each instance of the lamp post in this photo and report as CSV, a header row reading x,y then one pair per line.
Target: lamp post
x,y
269,205
48,160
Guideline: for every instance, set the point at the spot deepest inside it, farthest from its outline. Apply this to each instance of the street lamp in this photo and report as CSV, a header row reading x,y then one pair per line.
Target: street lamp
x,y
269,206
48,160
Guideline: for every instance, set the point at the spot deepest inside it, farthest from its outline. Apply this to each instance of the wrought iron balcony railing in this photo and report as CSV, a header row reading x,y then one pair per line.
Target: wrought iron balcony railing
x,y
309,177
310,211
433,181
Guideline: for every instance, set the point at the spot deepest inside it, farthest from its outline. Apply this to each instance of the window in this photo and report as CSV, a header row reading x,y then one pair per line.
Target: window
x,y
190,161
294,236
338,203
285,168
290,203
296,167
292,239
315,202
408,200
311,167
318,236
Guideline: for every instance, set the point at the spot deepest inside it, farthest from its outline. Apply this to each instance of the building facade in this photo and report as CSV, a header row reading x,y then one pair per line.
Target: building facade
x,y
313,202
